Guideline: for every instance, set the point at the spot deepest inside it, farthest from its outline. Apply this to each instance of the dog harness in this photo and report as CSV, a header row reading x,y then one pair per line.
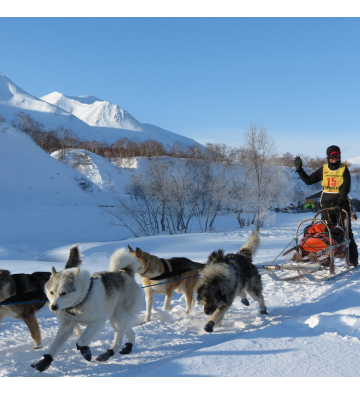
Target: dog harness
x,y
166,267
69,308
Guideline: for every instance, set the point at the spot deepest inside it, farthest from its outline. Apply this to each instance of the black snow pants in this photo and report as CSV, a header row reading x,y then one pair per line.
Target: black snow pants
x,y
330,200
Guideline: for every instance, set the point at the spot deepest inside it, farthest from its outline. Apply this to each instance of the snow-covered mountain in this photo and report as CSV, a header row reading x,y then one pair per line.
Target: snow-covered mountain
x,y
13,99
87,116
94,111
110,119
354,161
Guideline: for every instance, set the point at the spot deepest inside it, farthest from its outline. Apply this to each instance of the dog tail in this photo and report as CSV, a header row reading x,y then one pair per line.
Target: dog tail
x,y
251,246
121,259
74,257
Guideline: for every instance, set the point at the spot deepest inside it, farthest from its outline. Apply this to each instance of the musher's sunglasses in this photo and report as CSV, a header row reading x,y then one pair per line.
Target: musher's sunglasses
x,y
334,156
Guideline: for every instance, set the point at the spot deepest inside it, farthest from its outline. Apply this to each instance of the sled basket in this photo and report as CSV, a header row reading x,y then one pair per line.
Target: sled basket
x,y
322,254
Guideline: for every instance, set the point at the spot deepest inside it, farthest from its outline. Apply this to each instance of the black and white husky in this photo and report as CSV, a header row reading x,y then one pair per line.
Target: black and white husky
x,y
227,276
91,300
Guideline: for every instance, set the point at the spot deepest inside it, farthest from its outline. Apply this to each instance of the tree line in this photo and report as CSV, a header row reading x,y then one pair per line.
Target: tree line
x,y
61,138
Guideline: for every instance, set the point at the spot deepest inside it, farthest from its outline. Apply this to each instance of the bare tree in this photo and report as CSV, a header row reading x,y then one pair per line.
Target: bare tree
x,y
268,184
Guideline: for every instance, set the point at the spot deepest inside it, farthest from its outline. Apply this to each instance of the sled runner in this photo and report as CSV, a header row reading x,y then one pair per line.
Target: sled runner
x,y
321,254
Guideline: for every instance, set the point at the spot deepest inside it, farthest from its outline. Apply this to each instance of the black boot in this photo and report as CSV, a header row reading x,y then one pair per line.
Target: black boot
x,y
245,302
43,364
209,327
263,311
127,349
104,357
85,351
354,262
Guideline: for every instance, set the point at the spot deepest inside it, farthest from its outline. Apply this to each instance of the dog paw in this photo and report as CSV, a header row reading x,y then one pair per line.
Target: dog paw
x,y
43,364
209,327
85,351
104,357
37,346
263,311
245,302
127,349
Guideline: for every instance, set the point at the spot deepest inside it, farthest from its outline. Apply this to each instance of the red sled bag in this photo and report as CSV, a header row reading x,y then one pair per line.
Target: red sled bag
x,y
316,238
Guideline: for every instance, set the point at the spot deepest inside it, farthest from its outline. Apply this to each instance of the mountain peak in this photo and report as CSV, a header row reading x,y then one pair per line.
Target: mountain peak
x,y
95,112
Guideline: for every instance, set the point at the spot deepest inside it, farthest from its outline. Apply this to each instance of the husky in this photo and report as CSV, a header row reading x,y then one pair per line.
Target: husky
x,y
19,287
154,270
91,300
227,276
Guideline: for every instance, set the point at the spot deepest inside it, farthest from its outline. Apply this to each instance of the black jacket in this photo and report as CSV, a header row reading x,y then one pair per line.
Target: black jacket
x,y
329,199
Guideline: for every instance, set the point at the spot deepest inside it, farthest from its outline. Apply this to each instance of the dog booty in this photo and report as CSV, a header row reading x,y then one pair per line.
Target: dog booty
x,y
127,349
85,351
312,256
264,311
245,302
43,364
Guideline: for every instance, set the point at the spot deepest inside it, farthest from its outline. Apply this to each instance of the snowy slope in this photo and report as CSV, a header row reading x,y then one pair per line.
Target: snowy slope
x,y
95,112
354,161
110,118
113,178
313,330
99,170
13,99
88,117
30,177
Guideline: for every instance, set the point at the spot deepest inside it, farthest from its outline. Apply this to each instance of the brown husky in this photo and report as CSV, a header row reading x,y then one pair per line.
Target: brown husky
x,y
156,270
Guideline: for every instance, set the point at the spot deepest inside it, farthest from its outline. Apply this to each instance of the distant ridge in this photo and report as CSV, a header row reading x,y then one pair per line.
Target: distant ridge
x,y
89,117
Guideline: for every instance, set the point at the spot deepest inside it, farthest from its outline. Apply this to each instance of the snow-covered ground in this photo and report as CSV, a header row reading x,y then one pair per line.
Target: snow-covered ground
x,y
313,330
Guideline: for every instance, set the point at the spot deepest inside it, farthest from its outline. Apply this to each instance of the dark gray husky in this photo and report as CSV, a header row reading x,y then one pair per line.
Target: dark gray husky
x,y
227,276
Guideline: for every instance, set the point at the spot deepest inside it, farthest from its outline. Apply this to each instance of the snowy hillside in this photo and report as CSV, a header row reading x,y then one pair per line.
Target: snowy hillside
x,y
354,161
13,99
95,112
313,330
88,117
31,177
99,170
113,178
111,119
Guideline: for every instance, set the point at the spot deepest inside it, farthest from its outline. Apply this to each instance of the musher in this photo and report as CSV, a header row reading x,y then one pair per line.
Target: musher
x,y
336,180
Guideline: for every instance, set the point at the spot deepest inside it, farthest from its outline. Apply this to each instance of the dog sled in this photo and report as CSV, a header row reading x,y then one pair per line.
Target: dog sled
x,y
321,254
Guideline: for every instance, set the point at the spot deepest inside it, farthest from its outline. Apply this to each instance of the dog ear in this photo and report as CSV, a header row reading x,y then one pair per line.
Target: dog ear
x,y
76,272
130,249
53,271
139,253
199,290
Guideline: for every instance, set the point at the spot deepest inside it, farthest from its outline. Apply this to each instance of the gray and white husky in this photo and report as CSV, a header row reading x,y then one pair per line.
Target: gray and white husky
x,y
228,276
91,300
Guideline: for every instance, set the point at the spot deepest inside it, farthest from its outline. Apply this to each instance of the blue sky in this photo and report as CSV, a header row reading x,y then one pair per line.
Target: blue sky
x,y
204,78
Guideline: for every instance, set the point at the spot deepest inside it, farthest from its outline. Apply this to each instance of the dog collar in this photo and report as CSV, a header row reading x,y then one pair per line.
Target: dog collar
x,y
69,308
143,274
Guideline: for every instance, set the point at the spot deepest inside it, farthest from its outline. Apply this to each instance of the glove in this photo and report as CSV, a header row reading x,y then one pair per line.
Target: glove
x,y
337,209
298,163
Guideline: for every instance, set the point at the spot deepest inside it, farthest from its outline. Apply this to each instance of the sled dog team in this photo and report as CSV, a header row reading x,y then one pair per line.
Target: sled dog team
x,y
81,298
